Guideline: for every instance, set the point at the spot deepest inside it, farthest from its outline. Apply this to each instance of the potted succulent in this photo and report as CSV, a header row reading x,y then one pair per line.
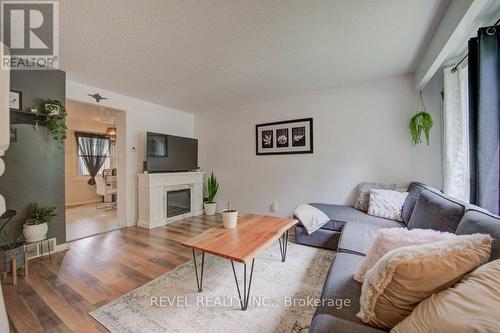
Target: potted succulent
x,y
36,226
210,205
229,217
12,249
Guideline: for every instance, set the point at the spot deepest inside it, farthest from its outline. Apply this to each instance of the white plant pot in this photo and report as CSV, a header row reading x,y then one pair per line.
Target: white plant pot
x,y
230,219
35,232
210,208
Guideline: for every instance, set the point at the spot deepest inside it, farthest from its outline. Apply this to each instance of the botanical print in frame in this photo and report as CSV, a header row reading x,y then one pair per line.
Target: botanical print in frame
x,y
284,137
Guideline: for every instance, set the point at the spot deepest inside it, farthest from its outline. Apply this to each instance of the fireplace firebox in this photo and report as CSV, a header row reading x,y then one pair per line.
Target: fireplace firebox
x,y
178,202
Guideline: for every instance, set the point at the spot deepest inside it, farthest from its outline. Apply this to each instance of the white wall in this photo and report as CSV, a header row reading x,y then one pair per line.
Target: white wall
x,y
140,117
360,134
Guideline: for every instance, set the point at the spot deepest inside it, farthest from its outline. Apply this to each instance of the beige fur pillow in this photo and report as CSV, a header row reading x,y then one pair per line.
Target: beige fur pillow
x,y
405,276
472,305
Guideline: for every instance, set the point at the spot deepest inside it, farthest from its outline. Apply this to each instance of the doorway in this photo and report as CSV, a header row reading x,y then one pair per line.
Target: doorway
x,y
92,169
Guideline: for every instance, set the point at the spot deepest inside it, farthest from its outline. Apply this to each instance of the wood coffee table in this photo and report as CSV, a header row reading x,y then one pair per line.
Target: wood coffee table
x,y
253,234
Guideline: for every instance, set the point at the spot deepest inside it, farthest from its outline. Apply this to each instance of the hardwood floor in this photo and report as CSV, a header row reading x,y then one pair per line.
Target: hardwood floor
x,y
57,295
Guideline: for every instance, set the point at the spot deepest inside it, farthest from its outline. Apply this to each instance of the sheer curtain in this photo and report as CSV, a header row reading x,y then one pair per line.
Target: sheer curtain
x,y
94,150
456,141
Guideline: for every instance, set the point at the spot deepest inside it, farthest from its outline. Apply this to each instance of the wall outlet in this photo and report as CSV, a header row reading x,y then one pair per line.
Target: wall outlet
x,y
274,206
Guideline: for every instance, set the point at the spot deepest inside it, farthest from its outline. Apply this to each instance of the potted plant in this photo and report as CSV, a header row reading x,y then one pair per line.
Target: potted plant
x,y
229,217
36,226
420,123
55,118
212,187
12,249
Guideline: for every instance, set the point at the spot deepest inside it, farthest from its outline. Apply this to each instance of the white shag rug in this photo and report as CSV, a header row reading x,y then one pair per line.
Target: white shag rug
x,y
278,297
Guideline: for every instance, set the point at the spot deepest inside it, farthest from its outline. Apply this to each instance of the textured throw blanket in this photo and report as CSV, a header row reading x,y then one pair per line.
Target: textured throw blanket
x,y
311,217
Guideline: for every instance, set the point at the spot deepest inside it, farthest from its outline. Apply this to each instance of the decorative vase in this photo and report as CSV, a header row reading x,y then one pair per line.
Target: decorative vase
x,y
210,208
35,232
230,218
6,257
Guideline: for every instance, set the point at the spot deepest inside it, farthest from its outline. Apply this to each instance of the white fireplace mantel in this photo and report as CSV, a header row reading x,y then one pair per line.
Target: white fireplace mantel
x,y
153,189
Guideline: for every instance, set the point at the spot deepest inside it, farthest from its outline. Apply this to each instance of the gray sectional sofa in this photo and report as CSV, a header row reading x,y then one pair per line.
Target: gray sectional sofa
x,y
351,233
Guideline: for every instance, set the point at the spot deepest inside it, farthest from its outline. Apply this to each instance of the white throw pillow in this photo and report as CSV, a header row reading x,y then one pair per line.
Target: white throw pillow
x,y
363,197
392,238
387,204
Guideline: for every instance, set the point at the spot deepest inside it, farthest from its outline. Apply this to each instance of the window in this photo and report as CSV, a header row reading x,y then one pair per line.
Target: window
x,y
93,145
83,171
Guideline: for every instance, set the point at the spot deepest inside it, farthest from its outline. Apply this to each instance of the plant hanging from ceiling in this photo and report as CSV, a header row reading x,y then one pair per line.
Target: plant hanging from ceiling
x,y
55,118
420,123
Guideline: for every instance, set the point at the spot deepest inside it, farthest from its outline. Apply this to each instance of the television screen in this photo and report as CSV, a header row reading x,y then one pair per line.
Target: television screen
x,y
157,145
167,153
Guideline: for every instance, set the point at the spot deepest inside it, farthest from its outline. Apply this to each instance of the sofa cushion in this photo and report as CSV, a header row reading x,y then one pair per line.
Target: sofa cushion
x,y
387,204
405,276
436,211
363,197
324,323
340,285
469,306
358,237
388,239
325,238
413,192
478,221
342,213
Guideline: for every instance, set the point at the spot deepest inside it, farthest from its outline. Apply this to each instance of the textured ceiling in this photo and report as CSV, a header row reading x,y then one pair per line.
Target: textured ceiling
x,y
196,55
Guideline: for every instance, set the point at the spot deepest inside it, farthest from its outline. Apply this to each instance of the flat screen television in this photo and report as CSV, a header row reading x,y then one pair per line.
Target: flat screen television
x,y
170,153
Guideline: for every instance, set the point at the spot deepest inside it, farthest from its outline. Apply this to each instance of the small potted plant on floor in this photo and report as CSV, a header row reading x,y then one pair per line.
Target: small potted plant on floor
x,y
229,217
36,226
12,250
210,205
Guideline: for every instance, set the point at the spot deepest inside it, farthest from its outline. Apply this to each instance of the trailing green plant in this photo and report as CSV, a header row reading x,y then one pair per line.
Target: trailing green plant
x,y
55,114
40,215
9,243
420,123
212,188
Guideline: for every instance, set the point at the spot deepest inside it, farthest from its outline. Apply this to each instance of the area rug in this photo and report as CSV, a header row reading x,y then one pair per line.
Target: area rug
x,y
281,296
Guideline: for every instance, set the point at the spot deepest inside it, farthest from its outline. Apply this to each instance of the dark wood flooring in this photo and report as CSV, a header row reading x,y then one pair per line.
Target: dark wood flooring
x,y
57,294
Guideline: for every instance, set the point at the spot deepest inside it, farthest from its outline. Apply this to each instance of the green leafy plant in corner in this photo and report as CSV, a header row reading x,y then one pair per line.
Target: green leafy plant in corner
x,y
10,243
420,123
212,188
41,215
55,114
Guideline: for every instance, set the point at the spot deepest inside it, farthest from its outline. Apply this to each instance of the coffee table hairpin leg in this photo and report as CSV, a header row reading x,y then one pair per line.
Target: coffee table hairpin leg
x,y
284,246
246,293
199,282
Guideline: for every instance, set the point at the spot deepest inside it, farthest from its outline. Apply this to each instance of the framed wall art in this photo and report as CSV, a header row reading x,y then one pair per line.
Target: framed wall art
x,y
284,137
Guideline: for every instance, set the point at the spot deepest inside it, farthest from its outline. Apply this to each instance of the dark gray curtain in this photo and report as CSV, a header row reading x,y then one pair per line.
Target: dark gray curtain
x,y
484,119
93,149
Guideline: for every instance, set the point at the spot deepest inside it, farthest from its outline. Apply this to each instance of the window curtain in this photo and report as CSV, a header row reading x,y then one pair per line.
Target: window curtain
x,y
93,149
484,119
456,142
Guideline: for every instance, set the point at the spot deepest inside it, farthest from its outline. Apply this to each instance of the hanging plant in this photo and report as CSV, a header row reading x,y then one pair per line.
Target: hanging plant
x,y
420,123
55,118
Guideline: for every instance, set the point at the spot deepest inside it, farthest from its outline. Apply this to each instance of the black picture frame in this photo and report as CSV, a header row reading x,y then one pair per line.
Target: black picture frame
x,y
275,148
20,99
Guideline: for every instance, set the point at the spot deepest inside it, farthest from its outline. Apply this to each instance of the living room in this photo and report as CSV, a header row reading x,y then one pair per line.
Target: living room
x,y
321,166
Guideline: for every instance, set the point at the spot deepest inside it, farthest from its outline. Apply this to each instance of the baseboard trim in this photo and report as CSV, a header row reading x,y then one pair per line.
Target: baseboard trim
x,y
81,203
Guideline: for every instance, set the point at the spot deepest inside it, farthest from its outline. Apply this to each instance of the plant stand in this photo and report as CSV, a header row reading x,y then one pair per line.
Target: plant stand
x,y
13,265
